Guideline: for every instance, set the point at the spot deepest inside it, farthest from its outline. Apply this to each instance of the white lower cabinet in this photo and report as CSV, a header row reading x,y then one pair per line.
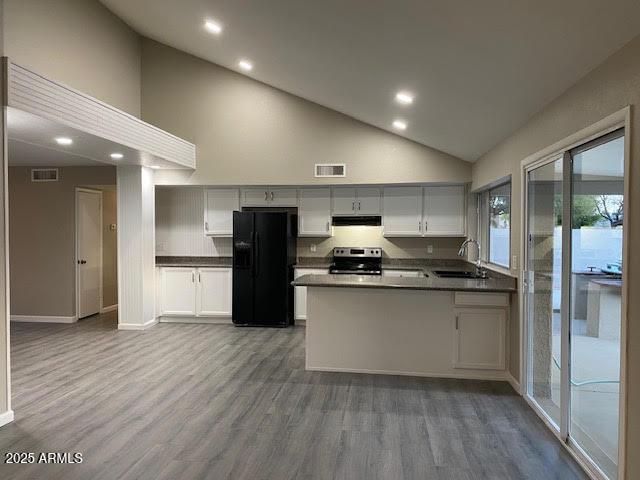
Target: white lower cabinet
x,y
480,337
301,292
178,291
213,292
195,292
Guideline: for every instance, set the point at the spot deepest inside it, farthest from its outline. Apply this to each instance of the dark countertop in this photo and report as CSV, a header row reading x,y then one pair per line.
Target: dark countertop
x,y
193,261
389,263
496,282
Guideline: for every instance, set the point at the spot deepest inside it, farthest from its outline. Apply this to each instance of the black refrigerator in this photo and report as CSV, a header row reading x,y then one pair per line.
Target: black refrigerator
x,y
264,255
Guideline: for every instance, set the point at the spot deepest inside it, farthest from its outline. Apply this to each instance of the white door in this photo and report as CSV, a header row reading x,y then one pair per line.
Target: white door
x,y
368,201
402,211
219,205
314,212
480,338
89,251
344,201
255,197
444,212
214,292
178,291
283,197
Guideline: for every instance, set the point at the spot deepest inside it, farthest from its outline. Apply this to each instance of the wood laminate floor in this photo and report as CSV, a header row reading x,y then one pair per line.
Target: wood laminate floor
x,y
183,401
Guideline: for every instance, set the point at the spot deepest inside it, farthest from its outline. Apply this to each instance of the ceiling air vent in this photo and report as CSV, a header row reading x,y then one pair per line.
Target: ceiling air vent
x,y
44,175
331,170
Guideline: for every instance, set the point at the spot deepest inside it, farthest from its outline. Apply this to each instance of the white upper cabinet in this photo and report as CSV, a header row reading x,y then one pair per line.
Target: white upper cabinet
x,y
402,211
344,201
444,211
368,200
255,197
219,205
269,197
356,201
283,197
314,212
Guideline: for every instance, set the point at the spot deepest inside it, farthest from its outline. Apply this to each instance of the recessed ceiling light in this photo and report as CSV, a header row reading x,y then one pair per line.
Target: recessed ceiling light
x,y
399,124
64,141
155,167
245,65
116,156
213,27
404,98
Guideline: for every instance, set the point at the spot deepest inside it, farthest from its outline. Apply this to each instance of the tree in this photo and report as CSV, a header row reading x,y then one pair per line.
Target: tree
x,y
584,212
610,207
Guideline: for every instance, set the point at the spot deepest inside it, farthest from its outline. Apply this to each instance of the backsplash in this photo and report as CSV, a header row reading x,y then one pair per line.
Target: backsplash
x,y
365,236
179,232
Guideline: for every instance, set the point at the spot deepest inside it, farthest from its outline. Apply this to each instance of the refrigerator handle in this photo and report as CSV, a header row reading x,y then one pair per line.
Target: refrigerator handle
x,y
256,249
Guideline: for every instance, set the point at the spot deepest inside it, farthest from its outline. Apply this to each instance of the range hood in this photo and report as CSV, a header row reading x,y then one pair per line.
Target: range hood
x,y
368,220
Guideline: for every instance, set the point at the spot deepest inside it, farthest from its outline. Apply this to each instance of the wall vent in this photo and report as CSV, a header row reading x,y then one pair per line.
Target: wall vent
x,y
331,170
44,175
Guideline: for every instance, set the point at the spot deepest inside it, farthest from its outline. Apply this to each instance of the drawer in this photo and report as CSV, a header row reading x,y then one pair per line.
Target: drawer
x,y
482,299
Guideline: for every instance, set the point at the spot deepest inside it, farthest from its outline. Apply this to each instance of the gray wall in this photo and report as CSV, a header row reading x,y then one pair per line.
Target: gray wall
x,y
42,240
78,43
250,133
610,87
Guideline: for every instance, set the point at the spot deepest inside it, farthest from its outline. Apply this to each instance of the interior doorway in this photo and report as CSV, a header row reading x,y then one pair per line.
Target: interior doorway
x,y
88,252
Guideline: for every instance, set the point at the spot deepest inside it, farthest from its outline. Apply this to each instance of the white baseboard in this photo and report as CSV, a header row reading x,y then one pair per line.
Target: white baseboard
x,y
514,383
137,326
43,319
498,376
6,417
110,308
210,320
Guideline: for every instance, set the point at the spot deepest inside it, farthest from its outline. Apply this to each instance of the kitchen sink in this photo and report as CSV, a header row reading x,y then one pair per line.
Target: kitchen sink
x,y
457,274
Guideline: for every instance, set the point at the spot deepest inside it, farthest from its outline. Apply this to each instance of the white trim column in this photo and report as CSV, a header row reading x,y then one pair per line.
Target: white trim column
x,y
6,414
136,248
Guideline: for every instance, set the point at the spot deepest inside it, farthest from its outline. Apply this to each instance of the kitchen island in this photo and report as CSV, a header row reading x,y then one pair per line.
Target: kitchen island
x,y
423,326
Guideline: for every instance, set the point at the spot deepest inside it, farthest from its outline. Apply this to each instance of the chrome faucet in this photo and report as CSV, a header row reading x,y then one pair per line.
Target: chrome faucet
x,y
480,270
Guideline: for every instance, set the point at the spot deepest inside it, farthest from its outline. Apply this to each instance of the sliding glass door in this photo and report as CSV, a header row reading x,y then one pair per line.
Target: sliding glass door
x,y
573,295
544,242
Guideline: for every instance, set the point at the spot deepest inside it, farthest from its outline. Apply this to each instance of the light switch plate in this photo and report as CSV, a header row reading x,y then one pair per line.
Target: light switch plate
x,y
313,247
514,262
429,248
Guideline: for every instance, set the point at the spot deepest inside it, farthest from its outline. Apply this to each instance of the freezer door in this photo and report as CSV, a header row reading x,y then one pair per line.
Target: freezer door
x,y
243,268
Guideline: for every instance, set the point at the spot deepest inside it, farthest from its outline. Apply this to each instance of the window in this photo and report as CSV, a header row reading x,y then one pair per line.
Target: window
x,y
495,224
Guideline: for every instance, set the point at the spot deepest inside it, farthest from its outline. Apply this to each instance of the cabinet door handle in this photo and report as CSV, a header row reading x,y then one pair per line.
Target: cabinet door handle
x,y
328,226
272,196
199,277
456,322
359,206
206,226
266,196
353,206
419,225
193,277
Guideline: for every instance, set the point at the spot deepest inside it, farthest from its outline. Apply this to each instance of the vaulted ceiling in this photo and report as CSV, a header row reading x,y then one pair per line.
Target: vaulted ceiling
x,y
477,69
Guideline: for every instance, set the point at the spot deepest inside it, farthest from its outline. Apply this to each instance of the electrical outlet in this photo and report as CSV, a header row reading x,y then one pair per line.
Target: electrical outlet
x,y
514,262
429,248
313,248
